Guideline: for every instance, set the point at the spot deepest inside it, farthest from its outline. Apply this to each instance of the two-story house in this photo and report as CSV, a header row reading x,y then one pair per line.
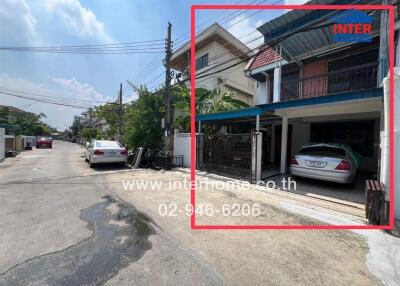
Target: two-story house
x,y
312,88
215,46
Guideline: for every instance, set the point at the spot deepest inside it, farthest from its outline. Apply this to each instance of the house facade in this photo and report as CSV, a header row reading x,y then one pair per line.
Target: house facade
x,y
311,88
216,46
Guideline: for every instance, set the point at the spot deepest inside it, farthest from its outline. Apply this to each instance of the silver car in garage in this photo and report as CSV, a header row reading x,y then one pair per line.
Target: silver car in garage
x,y
104,151
328,162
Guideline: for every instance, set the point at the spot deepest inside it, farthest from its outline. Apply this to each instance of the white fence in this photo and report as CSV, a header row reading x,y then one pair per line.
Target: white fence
x,y
182,146
2,144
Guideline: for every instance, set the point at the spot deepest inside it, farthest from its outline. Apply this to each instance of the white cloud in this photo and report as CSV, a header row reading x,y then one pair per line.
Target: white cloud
x,y
78,94
79,20
17,24
245,30
79,90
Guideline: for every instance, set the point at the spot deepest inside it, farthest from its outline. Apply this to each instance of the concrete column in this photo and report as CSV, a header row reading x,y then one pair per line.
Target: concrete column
x,y
258,123
277,85
383,66
267,88
176,133
199,131
396,143
284,144
256,156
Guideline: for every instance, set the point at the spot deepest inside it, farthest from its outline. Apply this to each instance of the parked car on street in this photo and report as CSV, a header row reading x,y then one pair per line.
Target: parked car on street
x,y
328,162
44,142
103,151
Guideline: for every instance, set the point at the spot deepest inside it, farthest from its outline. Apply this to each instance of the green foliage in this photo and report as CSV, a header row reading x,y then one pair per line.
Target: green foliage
x,y
87,133
19,122
143,120
111,113
76,127
206,102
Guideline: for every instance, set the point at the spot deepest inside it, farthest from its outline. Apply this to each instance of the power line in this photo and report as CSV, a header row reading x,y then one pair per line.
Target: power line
x,y
49,96
42,100
151,68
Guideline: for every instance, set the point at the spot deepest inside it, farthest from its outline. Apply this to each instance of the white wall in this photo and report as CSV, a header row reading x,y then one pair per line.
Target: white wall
x,y
182,146
397,144
300,135
233,79
261,93
2,144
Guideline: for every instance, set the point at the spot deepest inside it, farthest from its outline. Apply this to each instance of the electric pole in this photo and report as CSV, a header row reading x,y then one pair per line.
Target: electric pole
x,y
90,124
119,112
168,54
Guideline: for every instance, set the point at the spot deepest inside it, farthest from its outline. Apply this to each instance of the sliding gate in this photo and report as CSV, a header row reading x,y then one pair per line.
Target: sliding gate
x,y
237,155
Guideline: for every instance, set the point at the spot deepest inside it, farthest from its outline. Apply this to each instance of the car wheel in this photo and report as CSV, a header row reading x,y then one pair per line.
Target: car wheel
x,y
91,164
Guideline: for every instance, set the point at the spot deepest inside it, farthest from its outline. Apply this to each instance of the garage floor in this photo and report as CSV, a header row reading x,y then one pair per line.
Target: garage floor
x,y
328,190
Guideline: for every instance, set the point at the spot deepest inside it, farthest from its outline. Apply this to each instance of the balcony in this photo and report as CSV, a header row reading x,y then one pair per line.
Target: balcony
x,y
349,79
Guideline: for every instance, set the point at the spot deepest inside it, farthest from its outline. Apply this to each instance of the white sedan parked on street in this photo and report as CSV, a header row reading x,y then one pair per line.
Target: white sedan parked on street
x,y
103,151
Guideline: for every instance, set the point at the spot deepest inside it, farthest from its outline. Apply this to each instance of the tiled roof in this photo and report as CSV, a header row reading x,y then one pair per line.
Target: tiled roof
x,y
265,57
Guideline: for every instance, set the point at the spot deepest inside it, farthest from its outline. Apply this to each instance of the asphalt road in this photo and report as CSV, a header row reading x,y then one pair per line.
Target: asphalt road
x,y
59,226
63,223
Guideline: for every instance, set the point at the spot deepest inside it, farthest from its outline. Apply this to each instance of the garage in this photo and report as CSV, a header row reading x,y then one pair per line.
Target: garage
x,y
283,128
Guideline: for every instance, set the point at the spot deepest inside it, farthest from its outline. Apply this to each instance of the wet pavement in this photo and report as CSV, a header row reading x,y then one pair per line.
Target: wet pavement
x,y
96,259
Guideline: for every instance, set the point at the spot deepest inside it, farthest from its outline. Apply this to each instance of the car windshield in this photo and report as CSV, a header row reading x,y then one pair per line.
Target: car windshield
x,y
323,151
108,144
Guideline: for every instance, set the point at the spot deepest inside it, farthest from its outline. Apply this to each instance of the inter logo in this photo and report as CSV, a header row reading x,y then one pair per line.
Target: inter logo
x,y
352,26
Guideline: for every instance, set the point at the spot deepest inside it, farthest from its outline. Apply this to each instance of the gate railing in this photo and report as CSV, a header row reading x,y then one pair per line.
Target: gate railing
x,y
230,154
348,79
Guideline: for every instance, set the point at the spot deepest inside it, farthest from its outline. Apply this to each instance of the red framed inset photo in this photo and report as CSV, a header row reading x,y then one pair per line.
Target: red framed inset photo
x,y
391,48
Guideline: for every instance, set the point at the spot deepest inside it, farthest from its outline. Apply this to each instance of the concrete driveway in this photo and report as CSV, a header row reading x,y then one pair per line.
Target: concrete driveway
x,y
65,224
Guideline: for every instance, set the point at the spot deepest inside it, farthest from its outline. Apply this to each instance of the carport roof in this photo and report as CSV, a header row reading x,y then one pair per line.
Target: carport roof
x,y
241,113
271,107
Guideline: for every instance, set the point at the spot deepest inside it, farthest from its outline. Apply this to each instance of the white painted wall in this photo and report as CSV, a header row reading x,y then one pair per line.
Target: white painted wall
x,y
300,135
261,93
397,145
182,146
233,79
2,144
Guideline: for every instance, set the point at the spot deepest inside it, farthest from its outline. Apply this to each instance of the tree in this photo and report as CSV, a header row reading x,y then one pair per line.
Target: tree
x,y
206,102
87,133
20,122
143,119
77,126
110,112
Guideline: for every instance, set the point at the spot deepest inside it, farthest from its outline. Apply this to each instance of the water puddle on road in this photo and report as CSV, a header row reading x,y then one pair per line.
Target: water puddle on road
x,y
118,239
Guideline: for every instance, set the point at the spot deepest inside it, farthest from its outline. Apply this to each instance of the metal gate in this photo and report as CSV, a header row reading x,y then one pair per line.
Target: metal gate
x,y
230,154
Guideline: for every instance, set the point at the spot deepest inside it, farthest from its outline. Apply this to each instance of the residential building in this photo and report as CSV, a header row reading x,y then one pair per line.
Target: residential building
x,y
311,88
215,46
92,121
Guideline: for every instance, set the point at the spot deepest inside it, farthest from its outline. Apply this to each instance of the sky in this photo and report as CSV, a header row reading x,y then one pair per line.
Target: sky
x,y
91,79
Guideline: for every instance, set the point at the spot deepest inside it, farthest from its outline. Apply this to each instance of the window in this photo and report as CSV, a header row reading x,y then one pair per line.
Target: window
x,y
202,62
323,151
108,144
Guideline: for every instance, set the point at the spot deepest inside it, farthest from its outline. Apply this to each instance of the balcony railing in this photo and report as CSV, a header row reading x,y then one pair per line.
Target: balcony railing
x,y
349,79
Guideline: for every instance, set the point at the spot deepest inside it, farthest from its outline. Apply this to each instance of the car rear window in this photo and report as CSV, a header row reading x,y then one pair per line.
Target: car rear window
x,y
323,151
108,144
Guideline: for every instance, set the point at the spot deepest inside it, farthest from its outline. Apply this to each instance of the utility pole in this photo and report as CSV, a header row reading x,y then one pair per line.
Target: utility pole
x,y
168,54
119,112
383,66
90,124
